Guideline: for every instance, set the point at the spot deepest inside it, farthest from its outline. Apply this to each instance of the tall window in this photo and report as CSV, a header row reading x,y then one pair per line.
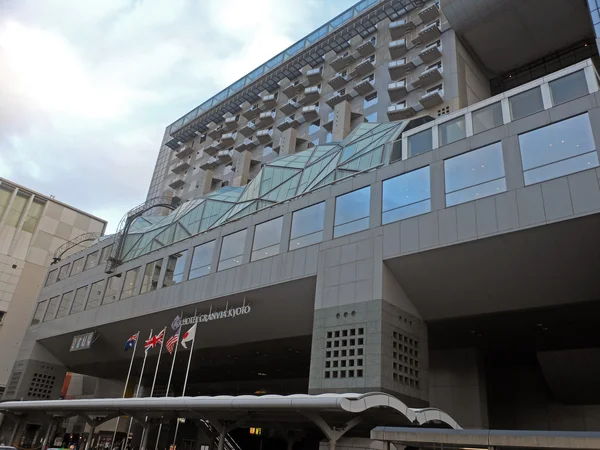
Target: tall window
x,y
16,210
65,304
52,275
91,260
131,277
105,254
79,300
33,216
175,266
307,226
151,274
267,237
51,309
39,312
202,259
568,88
559,149
526,103
112,290
487,118
352,212
232,250
420,143
406,195
77,266
452,131
95,296
474,175
63,272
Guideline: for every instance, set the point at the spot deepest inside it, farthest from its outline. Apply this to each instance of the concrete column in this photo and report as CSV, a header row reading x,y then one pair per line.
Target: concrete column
x,y
145,433
6,211
341,120
287,142
242,169
90,437
222,436
47,436
14,433
206,181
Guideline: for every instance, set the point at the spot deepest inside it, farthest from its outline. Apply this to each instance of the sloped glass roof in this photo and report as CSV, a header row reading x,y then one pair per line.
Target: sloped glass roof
x,y
365,148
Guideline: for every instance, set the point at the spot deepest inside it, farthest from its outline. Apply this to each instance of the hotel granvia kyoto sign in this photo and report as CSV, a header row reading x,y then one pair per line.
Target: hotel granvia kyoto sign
x,y
229,312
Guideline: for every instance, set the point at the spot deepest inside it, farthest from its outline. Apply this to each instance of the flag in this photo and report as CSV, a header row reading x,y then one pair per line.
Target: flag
x,y
172,342
131,342
154,340
189,335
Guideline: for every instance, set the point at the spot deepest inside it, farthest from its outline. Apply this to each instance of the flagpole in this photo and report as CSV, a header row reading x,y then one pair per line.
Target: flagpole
x,y
187,372
137,337
169,382
137,391
162,343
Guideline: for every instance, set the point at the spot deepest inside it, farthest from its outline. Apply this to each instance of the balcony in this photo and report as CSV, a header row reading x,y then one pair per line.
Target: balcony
x,y
339,81
364,67
265,136
213,148
248,129
315,75
338,98
397,48
342,61
215,133
429,13
433,98
251,112
310,112
430,54
428,76
266,118
224,156
269,101
397,90
399,28
177,183
400,112
210,163
311,95
289,107
231,123
292,89
248,144
228,139
183,165
364,87
400,68
329,124
288,122
185,151
366,48
427,34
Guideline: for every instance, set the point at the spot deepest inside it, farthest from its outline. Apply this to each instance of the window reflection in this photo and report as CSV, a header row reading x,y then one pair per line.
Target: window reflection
x,y
65,304
232,250
406,195
474,175
568,87
559,149
131,277
52,275
526,103
105,254
79,300
267,237
91,260
51,309
487,118
95,295
420,143
175,266
307,226
151,275
352,212
77,266
39,312
452,131
63,272
202,259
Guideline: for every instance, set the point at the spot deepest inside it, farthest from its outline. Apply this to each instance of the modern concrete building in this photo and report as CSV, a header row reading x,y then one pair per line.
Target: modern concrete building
x,y
32,227
445,253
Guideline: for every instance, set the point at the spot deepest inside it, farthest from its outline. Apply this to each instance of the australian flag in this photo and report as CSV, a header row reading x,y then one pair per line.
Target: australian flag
x,y
131,342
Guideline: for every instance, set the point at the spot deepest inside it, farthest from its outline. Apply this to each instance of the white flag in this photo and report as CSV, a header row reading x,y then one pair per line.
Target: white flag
x,y
189,335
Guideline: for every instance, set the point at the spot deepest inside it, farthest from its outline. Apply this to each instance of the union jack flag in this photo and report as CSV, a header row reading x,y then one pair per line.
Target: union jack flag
x,y
172,342
154,340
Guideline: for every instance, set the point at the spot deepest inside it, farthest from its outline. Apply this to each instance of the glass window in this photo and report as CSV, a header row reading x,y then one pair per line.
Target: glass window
x,y
202,259
526,103
16,210
130,282
314,127
352,212
452,131
65,304
112,290
568,88
559,149
175,266
232,250
474,175
52,275
487,118
370,100
91,260
95,296
420,143
39,312
267,237
307,226
51,309
33,216
105,254
151,274
77,266
371,117
406,195
329,137
63,272
79,300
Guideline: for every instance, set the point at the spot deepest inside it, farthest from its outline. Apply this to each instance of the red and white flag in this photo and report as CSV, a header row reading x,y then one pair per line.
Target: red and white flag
x,y
154,340
172,342
189,335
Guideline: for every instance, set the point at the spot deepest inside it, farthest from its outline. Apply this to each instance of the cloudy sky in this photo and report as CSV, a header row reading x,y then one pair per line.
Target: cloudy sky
x,y
88,87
